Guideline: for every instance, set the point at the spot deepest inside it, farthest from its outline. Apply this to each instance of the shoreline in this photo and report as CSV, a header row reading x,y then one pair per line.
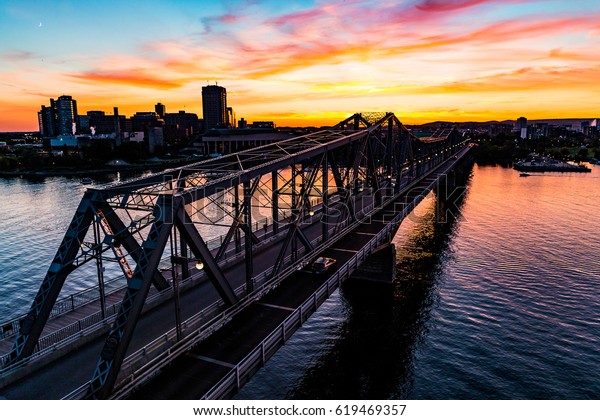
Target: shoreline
x,y
71,171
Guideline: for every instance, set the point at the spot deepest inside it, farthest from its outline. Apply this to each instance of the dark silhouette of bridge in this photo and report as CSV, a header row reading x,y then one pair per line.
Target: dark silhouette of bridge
x,y
215,261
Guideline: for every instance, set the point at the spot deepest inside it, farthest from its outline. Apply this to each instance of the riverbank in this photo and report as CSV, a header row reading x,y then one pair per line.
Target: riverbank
x,y
91,171
536,163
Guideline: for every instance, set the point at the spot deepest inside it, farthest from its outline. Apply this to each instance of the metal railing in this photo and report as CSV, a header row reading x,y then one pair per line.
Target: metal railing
x,y
240,374
141,365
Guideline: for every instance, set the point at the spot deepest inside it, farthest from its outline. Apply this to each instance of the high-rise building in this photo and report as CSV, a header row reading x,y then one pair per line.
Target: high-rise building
x,y
231,123
160,110
60,118
522,127
214,106
66,115
47,120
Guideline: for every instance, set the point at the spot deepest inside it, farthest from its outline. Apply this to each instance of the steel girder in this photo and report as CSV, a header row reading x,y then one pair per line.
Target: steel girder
x,y
294,230
116,344
382,149
32,326
238,223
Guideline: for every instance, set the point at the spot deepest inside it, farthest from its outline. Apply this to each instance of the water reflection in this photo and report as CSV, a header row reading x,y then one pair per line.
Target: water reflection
x,y
374,351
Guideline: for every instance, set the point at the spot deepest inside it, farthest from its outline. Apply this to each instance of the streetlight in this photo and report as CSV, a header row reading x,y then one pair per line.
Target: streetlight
x,y
199,265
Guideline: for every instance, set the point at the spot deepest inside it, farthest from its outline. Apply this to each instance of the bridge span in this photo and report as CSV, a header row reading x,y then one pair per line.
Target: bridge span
x,y
221,306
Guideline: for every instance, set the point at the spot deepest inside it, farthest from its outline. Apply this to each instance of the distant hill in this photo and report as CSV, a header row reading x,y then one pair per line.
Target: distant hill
x,y
575,122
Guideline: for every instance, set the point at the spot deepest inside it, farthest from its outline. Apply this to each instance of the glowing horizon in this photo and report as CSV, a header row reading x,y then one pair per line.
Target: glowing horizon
x,y
307,62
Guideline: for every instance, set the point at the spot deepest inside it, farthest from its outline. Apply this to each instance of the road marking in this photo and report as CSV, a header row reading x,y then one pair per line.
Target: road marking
x,y
365,233
269,305
211,360
344,250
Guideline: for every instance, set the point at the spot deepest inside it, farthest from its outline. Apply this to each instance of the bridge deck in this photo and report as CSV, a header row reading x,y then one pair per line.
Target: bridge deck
x,y
155,322
194,374
215,357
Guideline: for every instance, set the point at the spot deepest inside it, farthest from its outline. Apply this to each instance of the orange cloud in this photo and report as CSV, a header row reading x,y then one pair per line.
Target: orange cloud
x,y
523,79
130,77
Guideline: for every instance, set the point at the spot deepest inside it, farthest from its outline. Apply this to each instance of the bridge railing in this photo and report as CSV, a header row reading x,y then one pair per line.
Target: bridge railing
x,y
95,321
141,365
240,374
91,294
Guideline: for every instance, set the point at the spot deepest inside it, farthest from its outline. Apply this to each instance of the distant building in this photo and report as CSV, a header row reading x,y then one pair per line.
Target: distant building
x,y
133,136
141,121
156,139
47,120
539,131
84,124
181,126
230,118
592,129
69,141
263,124
224,141
160,110
521,123
60,118
242,123
214,106
102,124
496,129
66,115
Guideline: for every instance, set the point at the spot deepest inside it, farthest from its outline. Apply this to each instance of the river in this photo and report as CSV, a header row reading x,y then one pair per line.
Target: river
x,y
499,302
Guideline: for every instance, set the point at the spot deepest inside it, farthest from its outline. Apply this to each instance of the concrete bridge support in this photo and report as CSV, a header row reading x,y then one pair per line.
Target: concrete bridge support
x,y
379,267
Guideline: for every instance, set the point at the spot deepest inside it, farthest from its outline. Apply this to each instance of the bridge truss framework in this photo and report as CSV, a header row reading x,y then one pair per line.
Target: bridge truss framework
x,y
274,188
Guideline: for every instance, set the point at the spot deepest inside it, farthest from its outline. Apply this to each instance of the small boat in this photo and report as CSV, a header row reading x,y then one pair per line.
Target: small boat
x,y
86,181
524,174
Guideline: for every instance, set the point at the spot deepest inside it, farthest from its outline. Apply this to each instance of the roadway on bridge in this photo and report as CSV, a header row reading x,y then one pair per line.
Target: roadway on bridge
x,y
192,375
71,371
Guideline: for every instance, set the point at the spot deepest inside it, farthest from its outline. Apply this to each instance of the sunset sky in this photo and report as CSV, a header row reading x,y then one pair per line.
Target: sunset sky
x,y
300,62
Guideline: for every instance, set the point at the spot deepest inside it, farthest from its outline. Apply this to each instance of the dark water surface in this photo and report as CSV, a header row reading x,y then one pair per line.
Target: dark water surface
x,y
501,303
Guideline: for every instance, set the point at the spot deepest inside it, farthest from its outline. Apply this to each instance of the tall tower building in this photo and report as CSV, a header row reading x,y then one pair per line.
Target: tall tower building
x,y
47,120
160,110
214,106
66,115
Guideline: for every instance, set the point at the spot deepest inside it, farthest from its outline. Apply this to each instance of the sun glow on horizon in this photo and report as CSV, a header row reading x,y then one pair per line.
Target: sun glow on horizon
x,y
312,63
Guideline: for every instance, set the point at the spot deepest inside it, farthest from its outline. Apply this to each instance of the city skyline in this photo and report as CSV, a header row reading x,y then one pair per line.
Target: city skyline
x,y
305,63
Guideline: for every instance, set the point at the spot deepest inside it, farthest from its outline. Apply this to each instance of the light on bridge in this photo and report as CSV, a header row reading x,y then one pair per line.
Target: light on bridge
x,y
199,265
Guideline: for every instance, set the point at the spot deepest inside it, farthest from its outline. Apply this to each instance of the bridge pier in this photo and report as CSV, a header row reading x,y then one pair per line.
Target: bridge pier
x,y
379,267
450,190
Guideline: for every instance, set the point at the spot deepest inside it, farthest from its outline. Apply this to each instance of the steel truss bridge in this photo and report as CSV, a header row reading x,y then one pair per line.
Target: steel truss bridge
x,y
235,227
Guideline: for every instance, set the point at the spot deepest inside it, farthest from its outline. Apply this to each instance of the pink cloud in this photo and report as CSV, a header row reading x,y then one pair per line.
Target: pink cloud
x,y
229,18
445,5
17,55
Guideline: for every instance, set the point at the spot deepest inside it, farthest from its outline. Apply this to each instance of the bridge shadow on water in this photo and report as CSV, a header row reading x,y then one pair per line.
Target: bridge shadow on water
x,y
375,349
